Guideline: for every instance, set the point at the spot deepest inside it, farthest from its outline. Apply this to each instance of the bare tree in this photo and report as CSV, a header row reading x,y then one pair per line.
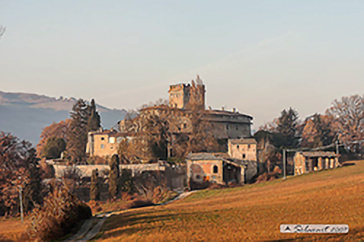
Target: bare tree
x,y
348,120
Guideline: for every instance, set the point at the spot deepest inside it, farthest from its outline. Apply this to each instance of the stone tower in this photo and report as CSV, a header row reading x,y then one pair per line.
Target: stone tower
x,y
187,96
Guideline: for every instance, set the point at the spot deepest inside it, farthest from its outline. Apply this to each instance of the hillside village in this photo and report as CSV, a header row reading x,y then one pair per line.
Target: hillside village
x,y
164,152
226,153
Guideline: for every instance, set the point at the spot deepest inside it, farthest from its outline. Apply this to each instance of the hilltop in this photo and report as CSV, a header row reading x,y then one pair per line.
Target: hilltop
x,y
252,213
26,114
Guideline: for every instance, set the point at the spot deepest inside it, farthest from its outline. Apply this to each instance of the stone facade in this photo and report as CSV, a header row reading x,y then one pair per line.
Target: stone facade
x,y
103,143
243,148
185,96
305,162
184,101
213,168
219,168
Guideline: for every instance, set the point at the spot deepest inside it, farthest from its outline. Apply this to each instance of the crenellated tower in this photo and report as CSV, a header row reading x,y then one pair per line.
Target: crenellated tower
x,y
187,96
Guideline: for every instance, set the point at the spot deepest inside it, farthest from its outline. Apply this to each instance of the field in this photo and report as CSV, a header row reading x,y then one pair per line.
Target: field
x,y
252,212
11,229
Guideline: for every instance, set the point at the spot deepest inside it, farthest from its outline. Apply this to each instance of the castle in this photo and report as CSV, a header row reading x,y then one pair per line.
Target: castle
x,y
187,96
184,99
224,124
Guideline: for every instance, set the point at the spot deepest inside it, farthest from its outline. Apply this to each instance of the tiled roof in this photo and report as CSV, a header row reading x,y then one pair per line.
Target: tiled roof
x,y
318,153
243,141
224,112
207,156
217,156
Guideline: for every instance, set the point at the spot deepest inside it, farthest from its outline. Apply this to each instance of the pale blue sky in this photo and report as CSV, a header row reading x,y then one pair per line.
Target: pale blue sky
x,y
257,56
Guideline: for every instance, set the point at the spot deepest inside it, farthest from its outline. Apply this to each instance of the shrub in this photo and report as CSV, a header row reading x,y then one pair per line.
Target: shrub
x,y
152,186
61,213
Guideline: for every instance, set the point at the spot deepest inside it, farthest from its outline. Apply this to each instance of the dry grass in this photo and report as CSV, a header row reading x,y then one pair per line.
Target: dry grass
x,y
12,228
252,212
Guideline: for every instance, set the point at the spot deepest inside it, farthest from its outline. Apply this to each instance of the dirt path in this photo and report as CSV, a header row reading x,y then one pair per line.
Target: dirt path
x,y
92,226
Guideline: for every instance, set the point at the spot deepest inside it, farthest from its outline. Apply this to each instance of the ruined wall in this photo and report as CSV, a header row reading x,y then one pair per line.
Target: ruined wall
x,y
186,96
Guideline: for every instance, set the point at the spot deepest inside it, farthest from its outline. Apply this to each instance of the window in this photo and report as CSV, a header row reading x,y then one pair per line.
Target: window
x,y
248,147
102,146
184,125
237,146
227,127
215,169
243,156
237,127
102,138
198,177
112,147
112,140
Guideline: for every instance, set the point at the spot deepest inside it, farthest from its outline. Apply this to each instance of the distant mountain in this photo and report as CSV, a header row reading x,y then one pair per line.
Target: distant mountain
x,y
26,114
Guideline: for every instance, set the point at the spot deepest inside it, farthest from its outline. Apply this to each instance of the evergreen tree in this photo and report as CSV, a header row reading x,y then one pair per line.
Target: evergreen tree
x,y
77,132
93,122
114,176
95,186
287,127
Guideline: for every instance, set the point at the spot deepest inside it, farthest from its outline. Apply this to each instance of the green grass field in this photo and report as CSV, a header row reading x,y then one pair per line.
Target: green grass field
x,y
252,212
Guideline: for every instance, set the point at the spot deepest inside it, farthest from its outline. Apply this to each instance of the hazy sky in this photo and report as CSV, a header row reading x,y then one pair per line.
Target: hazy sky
x,y
258,56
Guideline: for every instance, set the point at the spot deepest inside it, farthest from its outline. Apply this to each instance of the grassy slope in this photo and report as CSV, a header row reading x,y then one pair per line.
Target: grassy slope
x,y
252,212
11,229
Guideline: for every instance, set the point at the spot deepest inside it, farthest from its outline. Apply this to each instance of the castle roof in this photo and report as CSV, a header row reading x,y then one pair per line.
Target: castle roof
x,y
317,153
228,113
243,141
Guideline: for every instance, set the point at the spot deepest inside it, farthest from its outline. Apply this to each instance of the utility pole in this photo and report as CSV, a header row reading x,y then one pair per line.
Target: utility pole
x,y
21,201
284,164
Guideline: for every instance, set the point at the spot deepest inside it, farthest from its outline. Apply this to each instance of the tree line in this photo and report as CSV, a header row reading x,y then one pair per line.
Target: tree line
x,y
342,122
70,136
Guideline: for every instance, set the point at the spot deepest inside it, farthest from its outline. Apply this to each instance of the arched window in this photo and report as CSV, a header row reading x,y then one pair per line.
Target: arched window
x,y
215,169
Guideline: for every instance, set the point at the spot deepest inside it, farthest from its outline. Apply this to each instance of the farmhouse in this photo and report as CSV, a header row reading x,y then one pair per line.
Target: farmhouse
x,y
243,148
220,168
305,162
103,143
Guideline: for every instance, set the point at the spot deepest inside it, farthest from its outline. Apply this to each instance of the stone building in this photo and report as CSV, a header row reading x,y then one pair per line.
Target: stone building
x,y
187,98
219,168
305,162
243,148
103,143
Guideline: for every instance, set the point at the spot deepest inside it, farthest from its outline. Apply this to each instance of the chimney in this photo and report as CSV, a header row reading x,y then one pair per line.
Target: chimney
x,y
234,110
210,108
223,108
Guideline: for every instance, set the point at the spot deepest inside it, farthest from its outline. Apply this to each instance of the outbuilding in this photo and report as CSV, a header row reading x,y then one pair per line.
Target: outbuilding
x,y
220,168
309,161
